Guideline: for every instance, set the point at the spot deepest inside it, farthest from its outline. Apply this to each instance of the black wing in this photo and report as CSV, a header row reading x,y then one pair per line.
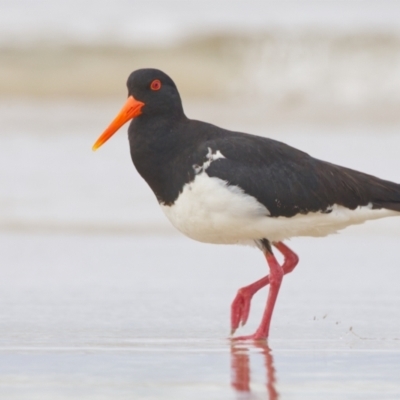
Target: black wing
x,y
288,181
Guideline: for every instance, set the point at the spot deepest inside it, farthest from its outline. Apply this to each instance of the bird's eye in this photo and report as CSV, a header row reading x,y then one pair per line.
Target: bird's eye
x,y
155,85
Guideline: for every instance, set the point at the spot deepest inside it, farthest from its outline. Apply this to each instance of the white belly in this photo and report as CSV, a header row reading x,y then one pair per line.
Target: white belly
x,y
208,210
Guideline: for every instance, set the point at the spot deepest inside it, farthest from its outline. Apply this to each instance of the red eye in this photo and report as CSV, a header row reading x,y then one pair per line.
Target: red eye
x,y
155,85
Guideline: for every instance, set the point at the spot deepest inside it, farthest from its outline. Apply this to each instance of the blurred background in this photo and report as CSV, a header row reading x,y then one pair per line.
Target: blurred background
x,y
308,59
269,67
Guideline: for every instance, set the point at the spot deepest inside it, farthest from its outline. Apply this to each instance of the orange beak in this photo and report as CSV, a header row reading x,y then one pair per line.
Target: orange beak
x,y
131,109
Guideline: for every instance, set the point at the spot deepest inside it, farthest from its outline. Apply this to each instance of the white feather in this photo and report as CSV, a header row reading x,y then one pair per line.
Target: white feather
x,y
209,210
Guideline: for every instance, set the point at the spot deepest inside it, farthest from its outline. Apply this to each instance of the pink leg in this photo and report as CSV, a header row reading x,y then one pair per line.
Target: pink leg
x,y
275,280
240,308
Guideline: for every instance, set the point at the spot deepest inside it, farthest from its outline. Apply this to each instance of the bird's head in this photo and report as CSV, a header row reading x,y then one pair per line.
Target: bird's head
x,y
151,93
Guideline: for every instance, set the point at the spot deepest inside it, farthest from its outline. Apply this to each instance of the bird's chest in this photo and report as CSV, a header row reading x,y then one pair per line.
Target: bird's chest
x,y
209,210
165,176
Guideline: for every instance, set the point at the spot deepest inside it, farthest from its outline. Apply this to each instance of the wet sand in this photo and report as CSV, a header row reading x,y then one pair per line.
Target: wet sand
x,y
101,299
130,317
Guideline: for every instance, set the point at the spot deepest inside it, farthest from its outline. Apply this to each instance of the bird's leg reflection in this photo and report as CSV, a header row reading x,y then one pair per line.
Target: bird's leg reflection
x,y
240,364
270,369
241,373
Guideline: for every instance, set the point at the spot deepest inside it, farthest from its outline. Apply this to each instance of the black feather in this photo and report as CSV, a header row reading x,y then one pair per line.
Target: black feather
x,y
166,147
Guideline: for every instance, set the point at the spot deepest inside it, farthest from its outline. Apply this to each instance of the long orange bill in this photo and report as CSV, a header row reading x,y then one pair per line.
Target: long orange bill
x,y
131,109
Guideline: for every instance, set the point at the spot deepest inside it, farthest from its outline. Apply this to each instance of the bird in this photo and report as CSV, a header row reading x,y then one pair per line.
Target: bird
x,y
226,187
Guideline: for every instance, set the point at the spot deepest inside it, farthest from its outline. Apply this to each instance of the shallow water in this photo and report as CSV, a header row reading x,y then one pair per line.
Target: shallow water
x,y
131,317
101,299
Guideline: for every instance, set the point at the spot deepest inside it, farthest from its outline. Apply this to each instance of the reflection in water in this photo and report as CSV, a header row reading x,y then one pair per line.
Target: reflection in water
x,y
240,363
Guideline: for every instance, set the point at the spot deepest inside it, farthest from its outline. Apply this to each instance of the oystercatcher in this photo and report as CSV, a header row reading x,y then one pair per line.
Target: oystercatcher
x,y
219,186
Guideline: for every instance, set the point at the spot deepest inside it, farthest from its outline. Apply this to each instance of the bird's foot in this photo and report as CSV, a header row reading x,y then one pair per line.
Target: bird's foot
x,y
255,337
240,308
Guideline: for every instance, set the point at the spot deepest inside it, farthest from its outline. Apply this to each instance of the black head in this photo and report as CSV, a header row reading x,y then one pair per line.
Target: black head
x,y
156,90
151,94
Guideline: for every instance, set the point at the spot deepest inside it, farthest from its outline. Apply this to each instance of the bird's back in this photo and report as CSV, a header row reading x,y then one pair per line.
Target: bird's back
x,y
285,180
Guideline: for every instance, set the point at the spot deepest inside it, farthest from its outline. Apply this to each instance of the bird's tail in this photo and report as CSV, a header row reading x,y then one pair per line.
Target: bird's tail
x,y
380,193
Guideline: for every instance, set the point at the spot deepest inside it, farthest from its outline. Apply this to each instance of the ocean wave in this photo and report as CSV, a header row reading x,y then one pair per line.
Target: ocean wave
x,y
286,70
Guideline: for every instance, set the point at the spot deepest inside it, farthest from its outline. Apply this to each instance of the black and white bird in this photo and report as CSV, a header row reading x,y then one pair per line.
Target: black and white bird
x,y
224,187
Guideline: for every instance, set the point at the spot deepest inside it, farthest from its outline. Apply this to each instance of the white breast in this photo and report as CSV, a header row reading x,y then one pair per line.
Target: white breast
x,y
209,210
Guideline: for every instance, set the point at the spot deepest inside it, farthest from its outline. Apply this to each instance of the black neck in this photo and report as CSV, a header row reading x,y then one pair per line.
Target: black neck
x,y
158,149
